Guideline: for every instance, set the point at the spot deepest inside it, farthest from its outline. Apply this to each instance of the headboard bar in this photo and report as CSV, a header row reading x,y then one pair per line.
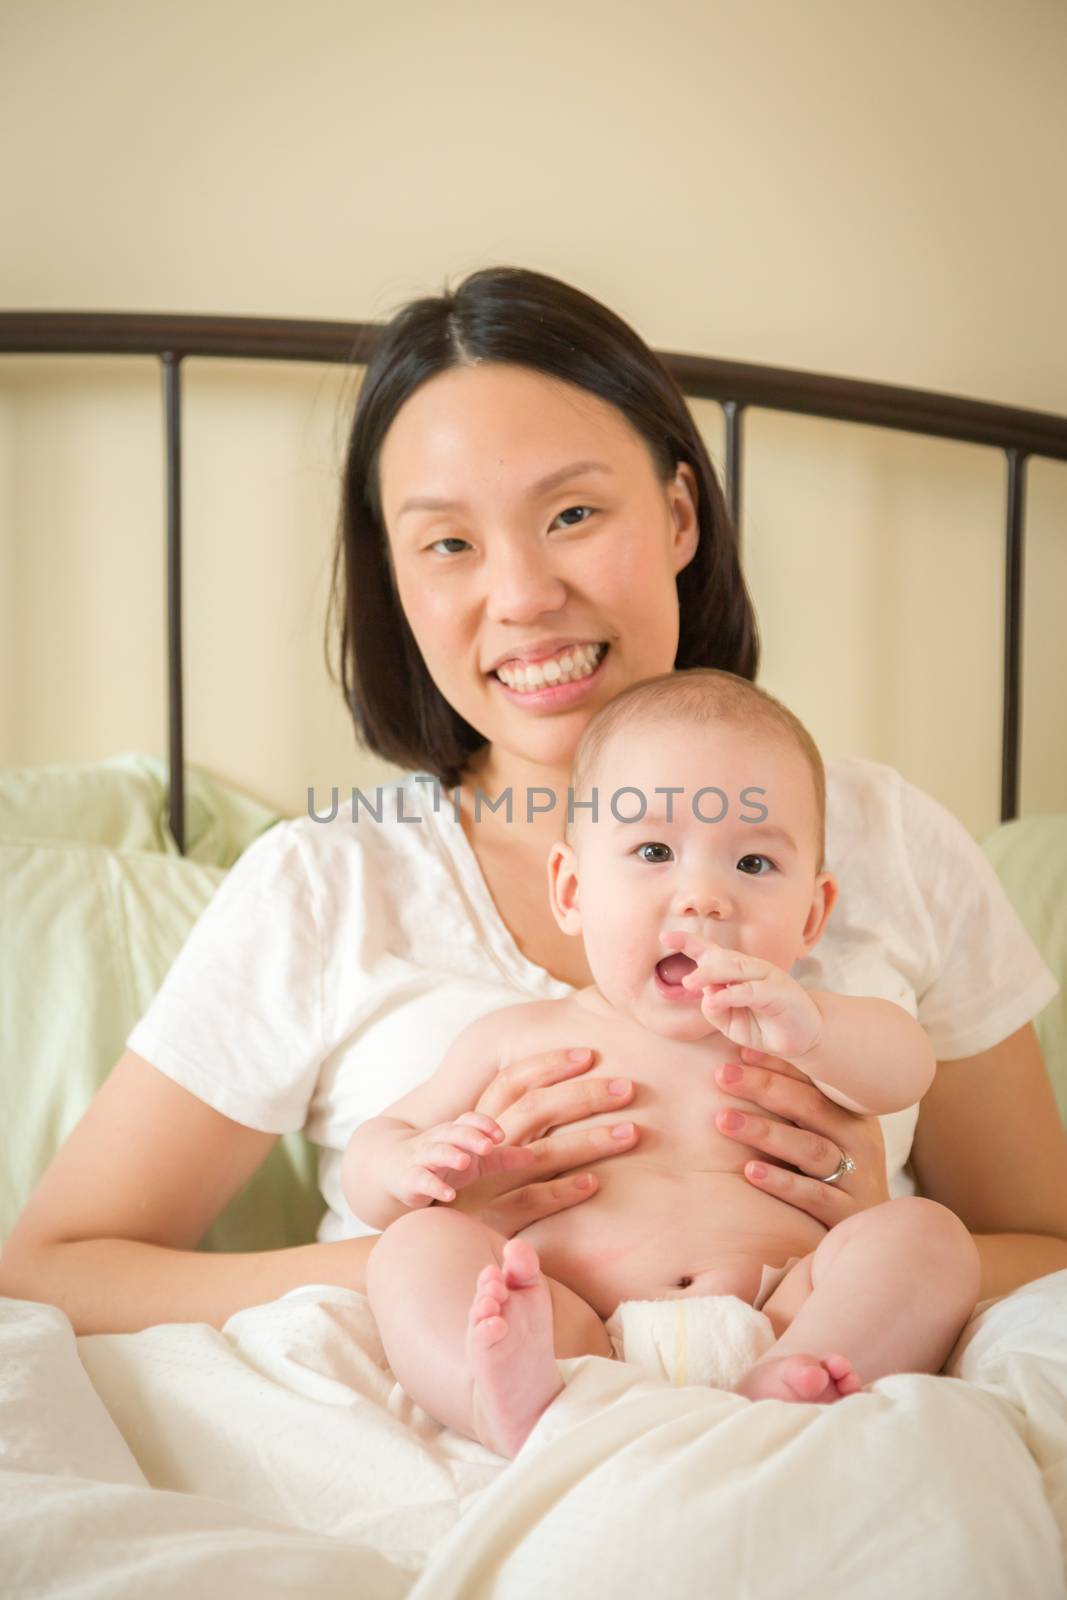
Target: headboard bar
x,y
735,385
882,405
172,417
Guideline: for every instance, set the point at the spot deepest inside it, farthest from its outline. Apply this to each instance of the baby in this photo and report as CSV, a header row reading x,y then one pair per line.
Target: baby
x,y
692,913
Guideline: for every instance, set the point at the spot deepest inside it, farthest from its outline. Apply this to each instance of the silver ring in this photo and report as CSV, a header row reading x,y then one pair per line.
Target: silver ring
x,y
846,1164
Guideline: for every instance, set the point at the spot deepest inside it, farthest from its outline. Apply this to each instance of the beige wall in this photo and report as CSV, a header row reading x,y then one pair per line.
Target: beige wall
x,y
858,189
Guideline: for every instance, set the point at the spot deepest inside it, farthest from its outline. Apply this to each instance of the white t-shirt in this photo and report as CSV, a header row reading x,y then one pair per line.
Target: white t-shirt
x,y
338,960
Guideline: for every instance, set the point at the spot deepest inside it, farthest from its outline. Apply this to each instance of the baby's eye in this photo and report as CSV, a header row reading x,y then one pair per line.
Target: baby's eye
x,y
447,541
755,871
668,854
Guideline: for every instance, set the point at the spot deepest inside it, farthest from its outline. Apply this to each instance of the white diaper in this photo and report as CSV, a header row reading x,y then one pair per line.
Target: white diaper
x,y
711,1339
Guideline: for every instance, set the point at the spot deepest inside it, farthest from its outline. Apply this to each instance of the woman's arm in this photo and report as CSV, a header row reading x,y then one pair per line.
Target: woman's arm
x,y
990,1145
109,1234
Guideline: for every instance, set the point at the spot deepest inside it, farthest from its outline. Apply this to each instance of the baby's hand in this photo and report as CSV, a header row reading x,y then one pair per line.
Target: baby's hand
x,y
471,1147
751,1001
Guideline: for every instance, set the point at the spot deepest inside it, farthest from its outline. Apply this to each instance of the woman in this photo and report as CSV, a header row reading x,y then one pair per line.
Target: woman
x,y
326,964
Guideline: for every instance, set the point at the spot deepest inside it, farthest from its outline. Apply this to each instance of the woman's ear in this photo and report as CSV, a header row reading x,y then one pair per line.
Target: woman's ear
x,y
563,887
684,498
822,903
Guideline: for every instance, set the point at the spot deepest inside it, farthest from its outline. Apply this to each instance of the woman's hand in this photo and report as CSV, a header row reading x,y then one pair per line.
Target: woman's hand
x,y
528,1099
811,1140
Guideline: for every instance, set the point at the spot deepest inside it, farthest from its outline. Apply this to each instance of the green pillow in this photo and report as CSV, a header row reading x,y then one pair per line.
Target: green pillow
x,y
89,932
1030,857
124,802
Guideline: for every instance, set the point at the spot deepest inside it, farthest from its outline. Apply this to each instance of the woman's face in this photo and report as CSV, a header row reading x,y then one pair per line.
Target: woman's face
x,y
533,602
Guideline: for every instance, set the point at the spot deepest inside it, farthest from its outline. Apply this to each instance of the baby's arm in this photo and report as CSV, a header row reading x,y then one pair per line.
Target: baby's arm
x,y
868,1055
393,1162
871,1056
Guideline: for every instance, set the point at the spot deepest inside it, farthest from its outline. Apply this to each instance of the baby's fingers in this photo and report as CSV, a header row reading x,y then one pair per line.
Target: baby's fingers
x,y
723,966
445,1156
420,1182
425,1181
732,994
470,1135
478,1119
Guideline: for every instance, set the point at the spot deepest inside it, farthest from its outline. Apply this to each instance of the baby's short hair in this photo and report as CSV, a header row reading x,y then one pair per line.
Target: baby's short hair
x,y
700,695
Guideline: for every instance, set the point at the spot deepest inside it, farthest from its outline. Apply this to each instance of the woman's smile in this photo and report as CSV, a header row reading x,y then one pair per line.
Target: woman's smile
x,y
554,683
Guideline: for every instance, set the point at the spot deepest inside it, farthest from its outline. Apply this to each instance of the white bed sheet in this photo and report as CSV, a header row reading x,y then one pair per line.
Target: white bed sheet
x,y
278,1457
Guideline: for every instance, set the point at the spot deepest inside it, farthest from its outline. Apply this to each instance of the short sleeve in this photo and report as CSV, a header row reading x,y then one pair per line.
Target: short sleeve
x,y
238,1017
988,978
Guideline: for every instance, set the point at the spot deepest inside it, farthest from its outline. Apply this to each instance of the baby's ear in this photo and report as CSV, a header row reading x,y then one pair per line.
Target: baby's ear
x,y
563,887
823,896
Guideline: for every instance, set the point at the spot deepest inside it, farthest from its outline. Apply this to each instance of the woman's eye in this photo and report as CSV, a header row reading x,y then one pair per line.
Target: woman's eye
x,y
568,512
755,871
571,509
666,853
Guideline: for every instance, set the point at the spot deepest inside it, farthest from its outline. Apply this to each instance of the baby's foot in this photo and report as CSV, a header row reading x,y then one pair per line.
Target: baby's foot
x,y
821,1380
511,1349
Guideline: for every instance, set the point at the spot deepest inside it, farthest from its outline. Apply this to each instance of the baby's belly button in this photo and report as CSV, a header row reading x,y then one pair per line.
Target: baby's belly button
x,y
624,1245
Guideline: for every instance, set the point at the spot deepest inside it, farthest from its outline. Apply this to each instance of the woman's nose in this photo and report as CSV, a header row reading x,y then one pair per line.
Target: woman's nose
x,y
522,585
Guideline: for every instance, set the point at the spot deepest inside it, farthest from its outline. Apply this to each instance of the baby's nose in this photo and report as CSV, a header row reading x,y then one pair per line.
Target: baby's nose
x,y
704,900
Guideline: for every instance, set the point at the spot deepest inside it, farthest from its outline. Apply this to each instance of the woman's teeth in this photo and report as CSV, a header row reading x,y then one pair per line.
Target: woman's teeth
x,y
578,661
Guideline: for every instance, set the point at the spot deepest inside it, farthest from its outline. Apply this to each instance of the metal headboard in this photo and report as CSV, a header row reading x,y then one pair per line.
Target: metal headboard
x,y
735,385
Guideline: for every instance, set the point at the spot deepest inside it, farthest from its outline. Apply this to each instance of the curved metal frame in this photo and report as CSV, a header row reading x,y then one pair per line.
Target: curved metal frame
x,y
736,386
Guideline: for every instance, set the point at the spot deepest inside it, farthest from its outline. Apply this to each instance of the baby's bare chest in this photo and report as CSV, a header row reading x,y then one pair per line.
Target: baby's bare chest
x,y
675,1213
675,1094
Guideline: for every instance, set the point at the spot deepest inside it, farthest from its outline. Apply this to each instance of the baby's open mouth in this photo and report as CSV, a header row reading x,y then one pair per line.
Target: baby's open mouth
x,y
673,968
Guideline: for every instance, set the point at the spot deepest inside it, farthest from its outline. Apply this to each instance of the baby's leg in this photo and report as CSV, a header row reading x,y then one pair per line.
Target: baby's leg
x,y
471,1327
891,1288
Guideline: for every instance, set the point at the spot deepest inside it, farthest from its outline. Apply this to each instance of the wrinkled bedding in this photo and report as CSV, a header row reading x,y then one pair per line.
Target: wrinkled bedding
x,y
278,1457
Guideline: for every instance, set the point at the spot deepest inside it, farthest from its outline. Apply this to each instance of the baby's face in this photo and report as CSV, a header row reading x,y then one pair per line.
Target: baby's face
x,y
749,885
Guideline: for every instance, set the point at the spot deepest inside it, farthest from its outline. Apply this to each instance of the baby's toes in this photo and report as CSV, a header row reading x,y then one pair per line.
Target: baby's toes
x,y
491,1281
843,1373
490,1296
807,1377
488,1329
521,1261
487,1308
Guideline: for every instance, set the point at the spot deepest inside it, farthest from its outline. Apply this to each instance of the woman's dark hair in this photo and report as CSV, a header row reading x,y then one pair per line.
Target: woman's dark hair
x,y
509,314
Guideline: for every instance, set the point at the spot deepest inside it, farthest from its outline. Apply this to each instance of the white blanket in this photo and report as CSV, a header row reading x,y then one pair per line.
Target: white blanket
x,y
278,1457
